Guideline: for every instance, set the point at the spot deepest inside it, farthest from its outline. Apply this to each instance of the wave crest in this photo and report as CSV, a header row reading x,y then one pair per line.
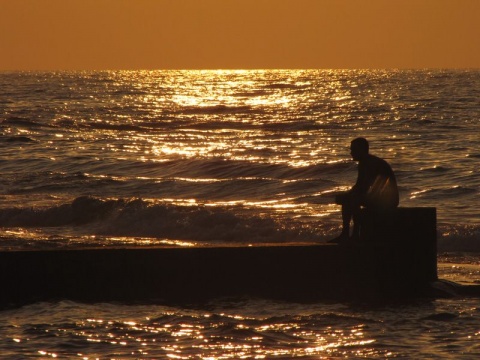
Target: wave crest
x,y
140,218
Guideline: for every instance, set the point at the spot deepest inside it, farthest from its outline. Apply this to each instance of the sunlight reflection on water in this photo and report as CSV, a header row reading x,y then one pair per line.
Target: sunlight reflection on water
x,y
236,140
256,329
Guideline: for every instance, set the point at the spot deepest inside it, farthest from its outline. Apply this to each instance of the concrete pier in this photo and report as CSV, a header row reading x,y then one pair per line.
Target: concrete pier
x,y
376,266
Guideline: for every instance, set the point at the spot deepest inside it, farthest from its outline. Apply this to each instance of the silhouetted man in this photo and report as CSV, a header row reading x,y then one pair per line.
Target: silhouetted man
x,y
376,188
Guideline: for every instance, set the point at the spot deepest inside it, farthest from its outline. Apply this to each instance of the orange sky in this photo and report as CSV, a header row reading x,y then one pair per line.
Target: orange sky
x,y
211,34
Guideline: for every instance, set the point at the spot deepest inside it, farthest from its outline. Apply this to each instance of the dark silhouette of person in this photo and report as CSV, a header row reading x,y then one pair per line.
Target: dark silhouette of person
x,y
376,189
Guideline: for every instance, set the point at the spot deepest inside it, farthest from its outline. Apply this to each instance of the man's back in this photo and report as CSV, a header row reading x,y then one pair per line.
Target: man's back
x,y
376,182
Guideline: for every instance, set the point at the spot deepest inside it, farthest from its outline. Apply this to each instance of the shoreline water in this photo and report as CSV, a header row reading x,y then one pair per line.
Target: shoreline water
x,y
246,327
96,222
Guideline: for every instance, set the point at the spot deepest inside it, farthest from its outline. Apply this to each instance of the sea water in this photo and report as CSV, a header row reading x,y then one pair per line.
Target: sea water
x,y
187,158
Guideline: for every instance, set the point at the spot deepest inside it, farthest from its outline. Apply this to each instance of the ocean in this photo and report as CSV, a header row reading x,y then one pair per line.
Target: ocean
x,y
193,158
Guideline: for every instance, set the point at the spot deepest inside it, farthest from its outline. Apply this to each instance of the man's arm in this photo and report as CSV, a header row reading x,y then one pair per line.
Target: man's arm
x,y
360,184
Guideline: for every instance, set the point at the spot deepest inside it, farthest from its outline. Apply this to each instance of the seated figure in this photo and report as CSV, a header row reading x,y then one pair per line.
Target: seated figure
x,y
376,189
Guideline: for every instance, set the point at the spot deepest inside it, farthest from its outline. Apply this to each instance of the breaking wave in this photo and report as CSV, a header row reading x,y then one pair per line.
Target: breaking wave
x,y
140,218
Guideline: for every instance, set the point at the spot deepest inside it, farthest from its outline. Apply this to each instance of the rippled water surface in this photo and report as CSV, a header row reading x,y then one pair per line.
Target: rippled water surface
x,y
249,329
246,149
186,158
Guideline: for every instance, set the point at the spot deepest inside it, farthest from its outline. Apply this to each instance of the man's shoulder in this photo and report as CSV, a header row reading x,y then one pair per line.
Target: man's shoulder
x,y
372,159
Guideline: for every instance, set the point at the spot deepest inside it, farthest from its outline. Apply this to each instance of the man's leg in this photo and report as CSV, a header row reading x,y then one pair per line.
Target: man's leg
x,y
356,224
350,207
347,215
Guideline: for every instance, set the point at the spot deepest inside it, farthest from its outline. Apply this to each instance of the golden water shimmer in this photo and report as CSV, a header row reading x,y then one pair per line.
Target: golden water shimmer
x,y
249,329
197,158
258,153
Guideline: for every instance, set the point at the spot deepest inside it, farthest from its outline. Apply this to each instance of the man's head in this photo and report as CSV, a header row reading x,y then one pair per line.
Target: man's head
x,y
359,148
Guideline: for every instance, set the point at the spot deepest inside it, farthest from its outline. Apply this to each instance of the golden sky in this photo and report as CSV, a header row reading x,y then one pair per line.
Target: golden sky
x,y
238,34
